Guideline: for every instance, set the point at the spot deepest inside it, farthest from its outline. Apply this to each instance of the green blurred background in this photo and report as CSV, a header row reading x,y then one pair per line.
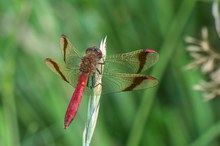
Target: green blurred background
x,y
33,100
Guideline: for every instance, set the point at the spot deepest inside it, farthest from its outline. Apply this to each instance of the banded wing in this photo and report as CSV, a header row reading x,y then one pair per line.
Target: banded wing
x,y
131,62
70,75
121,82
111,82
71,56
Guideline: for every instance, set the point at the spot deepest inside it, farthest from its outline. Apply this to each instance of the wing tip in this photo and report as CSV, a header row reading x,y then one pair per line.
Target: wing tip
x,y
47,60
149,51
63,36
150,77
64,41
63,44
153,79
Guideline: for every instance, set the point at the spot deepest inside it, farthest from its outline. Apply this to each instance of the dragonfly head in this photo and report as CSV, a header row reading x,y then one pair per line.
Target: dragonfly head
x,y
96,52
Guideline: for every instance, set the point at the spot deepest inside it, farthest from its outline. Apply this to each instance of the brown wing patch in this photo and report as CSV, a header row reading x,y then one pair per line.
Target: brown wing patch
x,y
64,47
137,81
142,57
121,82
56,67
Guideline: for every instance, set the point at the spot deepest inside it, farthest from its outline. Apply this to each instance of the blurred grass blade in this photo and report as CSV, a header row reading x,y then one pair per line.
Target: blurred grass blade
x,y
171,41
207,137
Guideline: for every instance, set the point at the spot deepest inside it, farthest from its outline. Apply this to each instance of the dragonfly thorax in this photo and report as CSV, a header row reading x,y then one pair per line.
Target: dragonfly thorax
x,y
90,60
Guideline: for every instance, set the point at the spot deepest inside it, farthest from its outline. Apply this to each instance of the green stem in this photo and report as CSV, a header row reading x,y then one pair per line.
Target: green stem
x,y
93,108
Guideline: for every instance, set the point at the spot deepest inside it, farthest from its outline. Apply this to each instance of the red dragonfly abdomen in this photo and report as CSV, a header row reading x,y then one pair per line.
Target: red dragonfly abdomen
x,y
75,100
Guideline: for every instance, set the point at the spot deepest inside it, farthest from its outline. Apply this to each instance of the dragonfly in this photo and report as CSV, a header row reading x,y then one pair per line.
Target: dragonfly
x,y
121,73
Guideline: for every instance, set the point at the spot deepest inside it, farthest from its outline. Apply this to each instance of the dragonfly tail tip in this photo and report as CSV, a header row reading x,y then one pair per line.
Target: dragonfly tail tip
x,y
65,126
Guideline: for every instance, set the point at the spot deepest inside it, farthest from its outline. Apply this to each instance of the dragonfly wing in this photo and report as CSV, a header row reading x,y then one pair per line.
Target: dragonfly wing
x,y
132,62
120,82
71,56
70,75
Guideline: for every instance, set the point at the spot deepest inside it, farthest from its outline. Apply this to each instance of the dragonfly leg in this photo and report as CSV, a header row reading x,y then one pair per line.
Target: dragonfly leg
x,y
88,83
93,82
98,84
101,63
100,71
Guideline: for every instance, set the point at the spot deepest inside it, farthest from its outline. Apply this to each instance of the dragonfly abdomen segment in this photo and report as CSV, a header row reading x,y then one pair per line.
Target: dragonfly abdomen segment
x,y
75,100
